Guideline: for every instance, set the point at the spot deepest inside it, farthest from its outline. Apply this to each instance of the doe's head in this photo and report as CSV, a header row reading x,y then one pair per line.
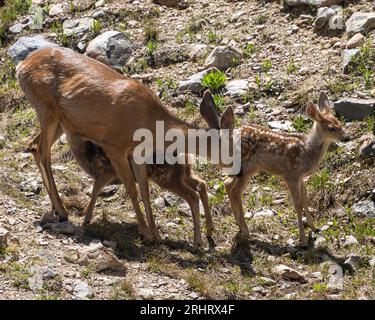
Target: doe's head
x,y
327,124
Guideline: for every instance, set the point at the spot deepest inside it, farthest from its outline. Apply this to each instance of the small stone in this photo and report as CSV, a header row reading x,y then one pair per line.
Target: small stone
x,y
237,88
4,234
320,242
354,261
99,3
364,209
199,51
349,241
266,281
160,203
318,275
112,48
281,125
81,290
65,227
356,41
223,57
264,214
336,279
56,10
347,55
238,16
146,294
288,273
194,82
35,282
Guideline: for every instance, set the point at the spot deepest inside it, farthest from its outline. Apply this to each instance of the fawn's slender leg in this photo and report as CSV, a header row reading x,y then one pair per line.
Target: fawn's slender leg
x,y
294,186
309,218
235,186
140,172
201,187
191,196
100,182
122,167
41,150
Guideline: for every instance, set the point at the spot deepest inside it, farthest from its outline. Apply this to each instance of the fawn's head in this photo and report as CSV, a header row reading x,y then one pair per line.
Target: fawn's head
x,y
209,113
325,122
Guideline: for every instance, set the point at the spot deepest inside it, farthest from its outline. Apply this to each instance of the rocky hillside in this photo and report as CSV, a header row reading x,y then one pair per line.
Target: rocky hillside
x,y
266,59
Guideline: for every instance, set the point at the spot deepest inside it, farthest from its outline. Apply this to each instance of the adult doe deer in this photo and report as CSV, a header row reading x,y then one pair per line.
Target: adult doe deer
x,y
289,156
84,97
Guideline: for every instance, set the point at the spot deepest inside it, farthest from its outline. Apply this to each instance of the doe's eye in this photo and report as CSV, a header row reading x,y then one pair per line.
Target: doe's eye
x,y
331,129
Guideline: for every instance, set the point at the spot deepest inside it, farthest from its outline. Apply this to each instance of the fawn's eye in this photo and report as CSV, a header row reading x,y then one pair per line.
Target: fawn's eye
x,y
331,129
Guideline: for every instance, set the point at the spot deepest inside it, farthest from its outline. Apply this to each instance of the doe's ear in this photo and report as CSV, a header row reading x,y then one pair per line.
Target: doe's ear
x,y
323,102
227,119
312,111
208,110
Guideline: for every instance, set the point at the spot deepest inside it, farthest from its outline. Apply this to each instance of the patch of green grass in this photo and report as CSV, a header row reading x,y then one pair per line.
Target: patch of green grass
x,y
123,291
151,33
214,80
212,37
250,49
266,65
321,181
61,37
301,124
291,66
219,102
96,27
363,65
370,123
21,124
319,287
260,19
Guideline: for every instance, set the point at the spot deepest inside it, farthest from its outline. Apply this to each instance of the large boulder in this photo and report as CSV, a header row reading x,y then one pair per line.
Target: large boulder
x,y
112,48
354,109
362,22
223,57
25,45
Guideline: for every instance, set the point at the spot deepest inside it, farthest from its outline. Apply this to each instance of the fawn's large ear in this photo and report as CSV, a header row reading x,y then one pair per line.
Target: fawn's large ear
x,y
227,119
208,110
312,111
323,103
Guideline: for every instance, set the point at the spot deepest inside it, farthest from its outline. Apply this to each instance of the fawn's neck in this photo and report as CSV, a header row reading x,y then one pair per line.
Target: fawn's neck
x,y
316,146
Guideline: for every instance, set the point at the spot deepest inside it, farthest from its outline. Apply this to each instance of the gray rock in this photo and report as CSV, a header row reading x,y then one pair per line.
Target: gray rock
x,y
288,273
25,45
266,281
320,242
57,9
81,290
35,282
354,109
353,261
362,22
112,48
17,28
281,125
160,203
368,150
223,57
77,27
237,16
372,261
312,3
336,279
99,3
65,227
237,88
264,214
146,294
194,83
4,233
96,255
349,241
347,55
198,51
364,208
37,18
323,16
356,41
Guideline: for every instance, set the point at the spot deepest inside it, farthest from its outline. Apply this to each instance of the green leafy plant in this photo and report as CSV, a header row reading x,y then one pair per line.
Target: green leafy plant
x,y
219,101
214,80
266,65
96,27
291,66
300,124
212,37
